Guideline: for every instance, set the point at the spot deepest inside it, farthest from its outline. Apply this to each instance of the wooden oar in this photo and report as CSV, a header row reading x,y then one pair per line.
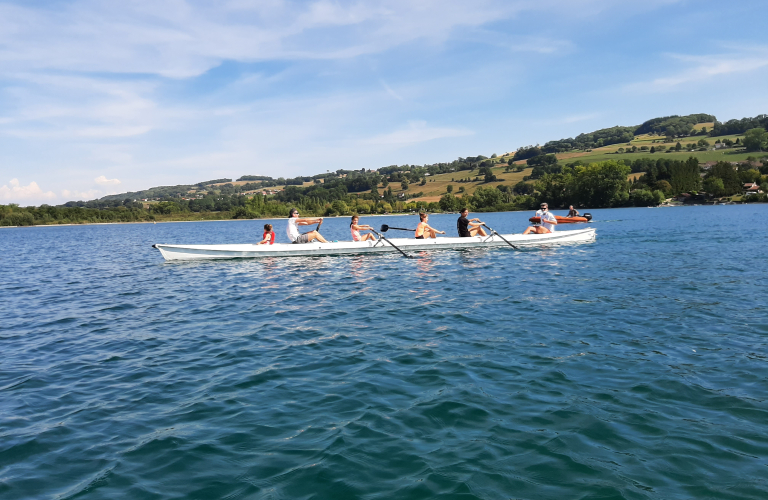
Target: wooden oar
x,y
500,236
385,228
381,237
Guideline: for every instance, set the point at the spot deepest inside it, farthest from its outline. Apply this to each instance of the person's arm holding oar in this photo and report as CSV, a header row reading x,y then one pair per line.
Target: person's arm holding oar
x,y
293,231
423,230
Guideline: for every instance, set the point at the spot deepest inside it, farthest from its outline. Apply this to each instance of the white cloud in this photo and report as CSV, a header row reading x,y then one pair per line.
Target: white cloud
x,y
181,39
31,192
103,181
706,67
416,132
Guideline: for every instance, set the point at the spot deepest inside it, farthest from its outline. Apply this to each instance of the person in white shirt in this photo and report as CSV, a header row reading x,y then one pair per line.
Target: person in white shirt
x,y
293,230
548,221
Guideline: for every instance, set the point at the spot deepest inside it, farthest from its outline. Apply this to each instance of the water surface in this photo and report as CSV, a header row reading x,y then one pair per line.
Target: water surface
x,y
632,367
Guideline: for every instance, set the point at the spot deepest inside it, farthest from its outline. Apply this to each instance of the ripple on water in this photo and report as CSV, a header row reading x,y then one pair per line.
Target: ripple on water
x,y
633,367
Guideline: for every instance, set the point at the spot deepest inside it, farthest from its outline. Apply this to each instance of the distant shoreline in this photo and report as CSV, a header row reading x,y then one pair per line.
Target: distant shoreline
x,y
201,220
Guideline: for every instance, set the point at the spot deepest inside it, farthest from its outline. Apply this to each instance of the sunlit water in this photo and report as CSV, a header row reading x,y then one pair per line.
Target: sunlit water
x,y
631,367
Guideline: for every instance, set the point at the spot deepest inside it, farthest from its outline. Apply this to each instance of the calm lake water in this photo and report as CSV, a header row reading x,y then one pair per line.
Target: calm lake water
x,y
632,367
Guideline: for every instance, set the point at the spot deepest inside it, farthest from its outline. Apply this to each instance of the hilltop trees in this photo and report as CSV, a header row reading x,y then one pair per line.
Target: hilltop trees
x,y
525,153
739,126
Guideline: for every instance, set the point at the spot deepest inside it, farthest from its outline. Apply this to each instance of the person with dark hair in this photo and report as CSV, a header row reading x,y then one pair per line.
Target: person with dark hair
x,y
424,231
469,227
355,228
548,221
293,230
269,236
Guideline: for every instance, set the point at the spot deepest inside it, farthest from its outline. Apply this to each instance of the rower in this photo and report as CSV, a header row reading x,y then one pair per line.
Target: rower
x,y
548,221
355,228
424,231
469,227
293,231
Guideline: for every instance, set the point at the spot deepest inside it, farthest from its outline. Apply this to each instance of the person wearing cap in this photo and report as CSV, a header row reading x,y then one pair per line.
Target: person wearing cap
x,y
548,221
293,230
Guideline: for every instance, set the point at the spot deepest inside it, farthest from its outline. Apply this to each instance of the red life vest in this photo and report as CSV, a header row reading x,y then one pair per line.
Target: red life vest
x,y
271,235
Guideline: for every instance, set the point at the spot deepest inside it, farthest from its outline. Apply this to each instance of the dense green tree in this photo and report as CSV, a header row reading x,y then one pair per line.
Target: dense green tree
x,y
724,171
602,184
486,197
755,139
739,126
449,203
542,161
714,186
526,152
449,188
664,186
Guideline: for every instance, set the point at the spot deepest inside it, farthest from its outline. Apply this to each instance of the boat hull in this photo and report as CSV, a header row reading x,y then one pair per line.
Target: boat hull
x,y
248,251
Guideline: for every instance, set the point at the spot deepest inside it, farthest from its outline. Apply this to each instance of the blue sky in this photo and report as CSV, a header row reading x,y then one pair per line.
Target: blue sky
x,y
100,97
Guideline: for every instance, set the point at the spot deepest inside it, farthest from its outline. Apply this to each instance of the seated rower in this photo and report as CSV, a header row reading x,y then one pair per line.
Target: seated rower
x,y
572,212
269,236
469,227
356,228
293,230
424,231
548,221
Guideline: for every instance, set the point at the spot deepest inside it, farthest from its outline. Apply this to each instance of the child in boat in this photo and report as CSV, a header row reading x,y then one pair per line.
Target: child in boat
x,y
424,231
355,228
269,236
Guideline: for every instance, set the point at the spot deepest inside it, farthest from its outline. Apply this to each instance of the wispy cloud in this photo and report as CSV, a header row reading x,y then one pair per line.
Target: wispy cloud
x,y
390,91
416,132
701,68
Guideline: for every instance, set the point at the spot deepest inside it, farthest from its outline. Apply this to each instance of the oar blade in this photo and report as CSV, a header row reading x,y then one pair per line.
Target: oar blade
x,y
384,228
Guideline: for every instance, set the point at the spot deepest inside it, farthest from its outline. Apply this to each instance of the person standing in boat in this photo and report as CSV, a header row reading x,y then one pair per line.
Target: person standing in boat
x,y
572,212
293,229
355,228
469,227
424,231
548,221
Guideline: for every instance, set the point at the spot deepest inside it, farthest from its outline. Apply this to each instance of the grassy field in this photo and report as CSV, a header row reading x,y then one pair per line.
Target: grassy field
x,y
436,185
610,152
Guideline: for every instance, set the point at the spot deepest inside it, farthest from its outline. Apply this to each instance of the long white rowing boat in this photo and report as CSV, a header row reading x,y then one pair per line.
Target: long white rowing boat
x,y
247,250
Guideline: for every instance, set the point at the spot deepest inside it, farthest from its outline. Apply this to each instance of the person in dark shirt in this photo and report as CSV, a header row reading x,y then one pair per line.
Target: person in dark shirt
x,y
469,227
572,212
